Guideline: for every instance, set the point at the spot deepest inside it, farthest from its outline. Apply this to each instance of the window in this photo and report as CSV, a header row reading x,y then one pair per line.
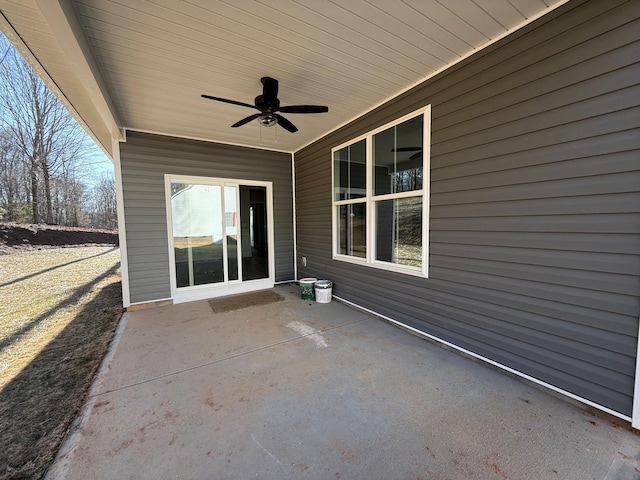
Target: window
x,y
381,196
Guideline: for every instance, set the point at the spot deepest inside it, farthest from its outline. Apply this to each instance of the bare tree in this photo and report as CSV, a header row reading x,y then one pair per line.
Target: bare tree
x,y
14,192
46,137
104,213
69,202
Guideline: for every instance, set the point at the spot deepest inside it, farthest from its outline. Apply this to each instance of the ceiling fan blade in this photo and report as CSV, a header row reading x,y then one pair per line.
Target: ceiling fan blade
x,y
269,90
246,120
407,149
415,155
286,124
233,102
304,109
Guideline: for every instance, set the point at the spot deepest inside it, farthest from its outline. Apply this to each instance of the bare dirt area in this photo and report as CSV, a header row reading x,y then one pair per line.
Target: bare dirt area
x,y
59,308
14,236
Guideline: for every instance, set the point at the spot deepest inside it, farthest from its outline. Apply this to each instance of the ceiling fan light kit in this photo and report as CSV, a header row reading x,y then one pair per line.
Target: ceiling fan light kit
x,y
268,104
268,120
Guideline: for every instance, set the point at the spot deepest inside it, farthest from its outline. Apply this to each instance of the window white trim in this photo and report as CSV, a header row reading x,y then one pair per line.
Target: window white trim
x,y
370,200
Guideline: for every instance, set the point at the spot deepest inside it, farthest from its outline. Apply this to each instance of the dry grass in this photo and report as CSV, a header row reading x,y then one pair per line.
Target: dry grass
x,y
58,312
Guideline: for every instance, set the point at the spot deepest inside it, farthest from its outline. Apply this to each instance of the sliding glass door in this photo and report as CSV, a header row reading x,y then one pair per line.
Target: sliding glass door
x,y
219,235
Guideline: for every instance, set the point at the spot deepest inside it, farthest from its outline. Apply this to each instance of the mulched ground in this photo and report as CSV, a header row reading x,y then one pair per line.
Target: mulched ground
x,y
14,236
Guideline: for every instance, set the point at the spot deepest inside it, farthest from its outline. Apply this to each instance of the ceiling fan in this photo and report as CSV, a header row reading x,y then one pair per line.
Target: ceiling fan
x,y
268,105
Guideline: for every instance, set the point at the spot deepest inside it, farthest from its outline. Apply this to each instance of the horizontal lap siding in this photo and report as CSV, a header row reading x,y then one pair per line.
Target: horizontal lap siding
x,y
534,206
147,158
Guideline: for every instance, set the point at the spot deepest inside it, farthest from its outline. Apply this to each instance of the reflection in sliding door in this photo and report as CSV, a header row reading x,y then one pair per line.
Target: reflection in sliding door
x,y
231,231
197,234
255,248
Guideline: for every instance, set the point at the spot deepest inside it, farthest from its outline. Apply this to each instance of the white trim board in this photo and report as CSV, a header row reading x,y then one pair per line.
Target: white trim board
x,y
635,422
295,223
122,230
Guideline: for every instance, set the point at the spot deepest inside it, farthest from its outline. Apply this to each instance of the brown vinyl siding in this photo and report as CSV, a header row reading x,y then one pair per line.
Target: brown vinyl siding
x,y
534,204
146,158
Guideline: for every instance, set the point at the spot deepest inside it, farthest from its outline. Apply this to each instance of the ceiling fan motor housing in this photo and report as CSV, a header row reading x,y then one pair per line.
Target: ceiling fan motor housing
x,y
263,105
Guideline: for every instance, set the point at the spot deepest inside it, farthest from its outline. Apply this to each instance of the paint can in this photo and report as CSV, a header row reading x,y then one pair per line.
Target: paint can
x,y
324,289
306,288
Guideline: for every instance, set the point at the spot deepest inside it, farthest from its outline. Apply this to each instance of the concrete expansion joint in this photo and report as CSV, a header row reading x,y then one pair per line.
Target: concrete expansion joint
x,y
312,334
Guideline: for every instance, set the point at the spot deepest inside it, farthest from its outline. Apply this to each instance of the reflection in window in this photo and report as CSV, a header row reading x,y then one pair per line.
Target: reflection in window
x,y
231,230
397,158
197,234
350,174
399,231
352,230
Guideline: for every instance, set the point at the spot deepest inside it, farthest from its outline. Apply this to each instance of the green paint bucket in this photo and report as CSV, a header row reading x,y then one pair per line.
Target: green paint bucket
x,y
306,287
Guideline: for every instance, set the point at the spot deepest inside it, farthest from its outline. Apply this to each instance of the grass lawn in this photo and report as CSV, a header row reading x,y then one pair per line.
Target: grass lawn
x,y
59,309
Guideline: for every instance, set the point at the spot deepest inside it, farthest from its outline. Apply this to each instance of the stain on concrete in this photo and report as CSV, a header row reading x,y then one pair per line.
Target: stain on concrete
x,y
120,448
344,450
101,404
309,332
428,452
492,463
210,402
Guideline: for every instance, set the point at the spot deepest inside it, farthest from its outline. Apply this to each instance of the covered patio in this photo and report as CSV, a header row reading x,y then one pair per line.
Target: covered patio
x,y
296,389
470,171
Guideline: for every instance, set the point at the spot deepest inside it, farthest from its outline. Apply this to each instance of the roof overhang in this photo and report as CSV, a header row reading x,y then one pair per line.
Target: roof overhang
x,y
143,65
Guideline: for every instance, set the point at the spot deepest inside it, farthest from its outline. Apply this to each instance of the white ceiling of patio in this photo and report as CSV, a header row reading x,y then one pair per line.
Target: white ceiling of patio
x,y
153,59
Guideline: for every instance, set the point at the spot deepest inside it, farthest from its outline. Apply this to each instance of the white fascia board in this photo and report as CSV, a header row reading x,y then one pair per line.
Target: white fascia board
x,y
62,19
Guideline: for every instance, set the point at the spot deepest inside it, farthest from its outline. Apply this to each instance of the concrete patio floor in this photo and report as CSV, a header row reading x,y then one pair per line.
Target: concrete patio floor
x,y
296,389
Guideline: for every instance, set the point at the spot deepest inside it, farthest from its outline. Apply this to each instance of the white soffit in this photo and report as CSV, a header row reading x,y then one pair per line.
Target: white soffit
x,y
156,57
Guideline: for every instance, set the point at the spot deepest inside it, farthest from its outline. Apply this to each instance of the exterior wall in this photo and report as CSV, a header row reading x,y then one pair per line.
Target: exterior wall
x,y
535,204
146,158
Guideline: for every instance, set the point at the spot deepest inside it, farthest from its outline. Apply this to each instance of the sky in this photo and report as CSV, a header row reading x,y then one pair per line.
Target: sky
x,y
100,164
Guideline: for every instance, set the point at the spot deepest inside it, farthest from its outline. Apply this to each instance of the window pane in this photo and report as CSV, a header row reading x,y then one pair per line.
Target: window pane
x,y
349,166
197,233
399,231
352,230
231,228
397,158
